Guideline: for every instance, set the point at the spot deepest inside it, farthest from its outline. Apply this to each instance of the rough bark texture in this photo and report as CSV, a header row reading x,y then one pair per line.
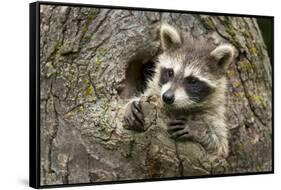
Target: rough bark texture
x,y
92,61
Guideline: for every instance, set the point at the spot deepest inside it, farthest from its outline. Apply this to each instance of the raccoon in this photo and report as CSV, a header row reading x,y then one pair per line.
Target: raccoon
x,y
190,79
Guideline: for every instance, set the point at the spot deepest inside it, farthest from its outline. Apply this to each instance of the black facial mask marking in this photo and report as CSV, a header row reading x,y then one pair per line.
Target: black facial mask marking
x,y
166,74
196,89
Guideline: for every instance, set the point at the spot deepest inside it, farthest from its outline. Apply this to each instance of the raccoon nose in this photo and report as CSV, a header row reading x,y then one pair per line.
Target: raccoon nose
x,y
168,97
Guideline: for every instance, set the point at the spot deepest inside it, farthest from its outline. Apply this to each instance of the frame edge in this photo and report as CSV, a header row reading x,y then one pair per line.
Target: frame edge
x,y
34,133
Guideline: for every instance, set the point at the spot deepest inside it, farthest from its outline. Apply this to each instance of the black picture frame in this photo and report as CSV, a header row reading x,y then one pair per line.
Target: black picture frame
x,y
34,91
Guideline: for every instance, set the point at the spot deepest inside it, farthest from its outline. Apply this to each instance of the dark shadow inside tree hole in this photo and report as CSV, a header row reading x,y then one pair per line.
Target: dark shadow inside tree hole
x,y
138,72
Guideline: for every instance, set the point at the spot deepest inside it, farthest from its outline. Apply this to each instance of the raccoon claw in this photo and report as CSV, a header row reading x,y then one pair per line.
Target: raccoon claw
x,y
134,116
173,124
179,130
181,134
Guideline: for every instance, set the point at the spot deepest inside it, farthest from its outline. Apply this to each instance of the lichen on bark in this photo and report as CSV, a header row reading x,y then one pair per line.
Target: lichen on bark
x,y
85,54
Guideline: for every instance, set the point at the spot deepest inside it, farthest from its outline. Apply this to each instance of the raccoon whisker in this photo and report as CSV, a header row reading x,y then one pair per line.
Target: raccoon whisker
x,y
150,69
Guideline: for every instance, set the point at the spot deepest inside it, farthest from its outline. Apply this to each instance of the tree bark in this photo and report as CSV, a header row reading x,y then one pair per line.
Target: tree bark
x,y
93,60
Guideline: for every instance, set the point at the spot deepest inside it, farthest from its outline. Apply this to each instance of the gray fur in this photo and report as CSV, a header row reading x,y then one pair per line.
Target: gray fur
x,y
200,121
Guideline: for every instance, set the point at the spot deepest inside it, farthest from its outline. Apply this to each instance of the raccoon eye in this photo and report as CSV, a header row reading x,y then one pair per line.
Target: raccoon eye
x,y
191,80
170,73
166,74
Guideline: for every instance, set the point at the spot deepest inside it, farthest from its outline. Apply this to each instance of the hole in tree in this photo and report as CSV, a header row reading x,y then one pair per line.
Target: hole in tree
x,y
139,71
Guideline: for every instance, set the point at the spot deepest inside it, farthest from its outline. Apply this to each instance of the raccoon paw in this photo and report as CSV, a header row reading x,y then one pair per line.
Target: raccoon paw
x,y
134,116
179,130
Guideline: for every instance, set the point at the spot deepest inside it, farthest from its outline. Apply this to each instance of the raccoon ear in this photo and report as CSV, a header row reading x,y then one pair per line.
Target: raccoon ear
x,y
170,37
223,54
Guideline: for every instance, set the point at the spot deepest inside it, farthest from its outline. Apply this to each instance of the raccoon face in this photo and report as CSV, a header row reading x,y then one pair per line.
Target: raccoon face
x,y
183,88
189,71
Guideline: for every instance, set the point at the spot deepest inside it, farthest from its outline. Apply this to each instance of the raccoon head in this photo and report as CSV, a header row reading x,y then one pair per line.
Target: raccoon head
x,y
190,72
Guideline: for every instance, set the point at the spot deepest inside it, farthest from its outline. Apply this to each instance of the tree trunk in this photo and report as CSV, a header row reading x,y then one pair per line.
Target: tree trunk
x,y
93,60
